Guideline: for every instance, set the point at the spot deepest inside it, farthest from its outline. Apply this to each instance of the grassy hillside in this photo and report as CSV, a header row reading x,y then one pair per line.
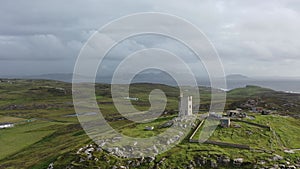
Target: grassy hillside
x,y
47,131
281,102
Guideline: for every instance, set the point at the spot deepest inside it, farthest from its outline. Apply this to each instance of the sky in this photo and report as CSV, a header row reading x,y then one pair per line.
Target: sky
x,y
252,37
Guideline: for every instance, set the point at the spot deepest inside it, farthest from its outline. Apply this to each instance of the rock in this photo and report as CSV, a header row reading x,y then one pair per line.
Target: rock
x,y
81,160
277,157
176,137
137,164
149,128
89,150
150,159
226,160
50,166
249,132
192,163
282,166
190,166
204,161
167,124
262,162
155,149
289,151
291,167
79,151
213,164
197,161
89,156
238,161
161,161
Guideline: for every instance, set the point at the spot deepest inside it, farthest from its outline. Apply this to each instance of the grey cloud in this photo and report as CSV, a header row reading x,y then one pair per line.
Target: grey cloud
x,y
247,34
36,47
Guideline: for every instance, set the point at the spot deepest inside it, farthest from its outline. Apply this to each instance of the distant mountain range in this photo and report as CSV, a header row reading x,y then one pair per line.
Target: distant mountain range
x,y
237,77
233,80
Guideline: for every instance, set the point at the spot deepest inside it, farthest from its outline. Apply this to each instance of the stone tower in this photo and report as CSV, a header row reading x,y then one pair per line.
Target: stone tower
x,y
185,105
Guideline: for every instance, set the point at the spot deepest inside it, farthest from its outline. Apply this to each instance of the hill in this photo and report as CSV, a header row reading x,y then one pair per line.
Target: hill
x,y
237,77
47,131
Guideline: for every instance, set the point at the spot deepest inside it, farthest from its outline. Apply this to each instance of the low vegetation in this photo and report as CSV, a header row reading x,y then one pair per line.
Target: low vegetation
x,y
47,130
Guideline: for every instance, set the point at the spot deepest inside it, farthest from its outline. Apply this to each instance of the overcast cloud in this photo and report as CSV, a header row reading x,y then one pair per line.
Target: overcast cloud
x,y
252,37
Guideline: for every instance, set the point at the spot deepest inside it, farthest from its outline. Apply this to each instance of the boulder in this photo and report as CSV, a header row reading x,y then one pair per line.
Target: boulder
x,y
238,161
277,157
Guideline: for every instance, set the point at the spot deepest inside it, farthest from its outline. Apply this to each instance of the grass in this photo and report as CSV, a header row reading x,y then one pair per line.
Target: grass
x,y
62,139
287,135
258,137
253,136
5,119
53,136
22,136
279,138
138,130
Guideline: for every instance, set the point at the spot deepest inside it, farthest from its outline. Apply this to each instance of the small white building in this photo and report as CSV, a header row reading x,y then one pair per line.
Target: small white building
x,y
185,105
6,125
131,98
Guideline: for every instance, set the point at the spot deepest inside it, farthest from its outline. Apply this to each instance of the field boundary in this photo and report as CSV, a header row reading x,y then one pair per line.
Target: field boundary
x,y
241,146
195,131
191,140
252,123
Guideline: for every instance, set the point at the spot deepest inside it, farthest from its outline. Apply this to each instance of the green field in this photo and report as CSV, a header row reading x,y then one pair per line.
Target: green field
x,y
11,119
20,137
256,137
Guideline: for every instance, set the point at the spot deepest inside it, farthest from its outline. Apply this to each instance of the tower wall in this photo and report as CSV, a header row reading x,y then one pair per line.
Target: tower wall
x,y
190,105
185,105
